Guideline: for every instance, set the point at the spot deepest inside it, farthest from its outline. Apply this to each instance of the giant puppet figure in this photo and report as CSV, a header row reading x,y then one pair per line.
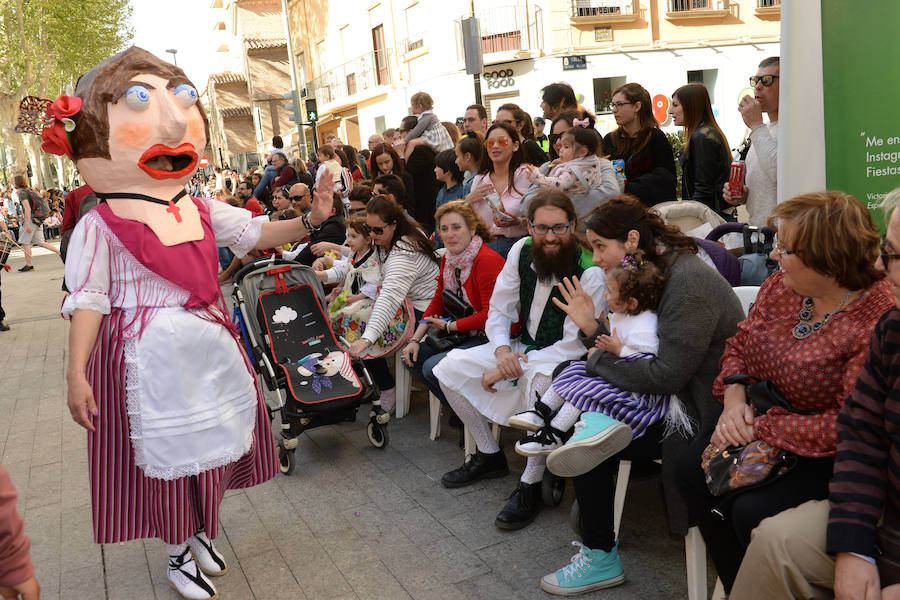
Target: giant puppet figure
x,y
156,373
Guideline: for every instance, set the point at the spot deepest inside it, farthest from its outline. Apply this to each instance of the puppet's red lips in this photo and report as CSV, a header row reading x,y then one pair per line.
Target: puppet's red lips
x,y
163,162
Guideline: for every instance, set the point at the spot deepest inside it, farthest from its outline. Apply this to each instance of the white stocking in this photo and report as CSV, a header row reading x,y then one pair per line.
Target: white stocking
x,y
534,469
565,418
472,419
552,399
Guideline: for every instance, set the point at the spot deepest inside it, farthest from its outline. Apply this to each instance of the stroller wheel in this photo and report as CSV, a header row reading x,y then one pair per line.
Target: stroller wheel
x,y
575,518
552,489
286,460
378,434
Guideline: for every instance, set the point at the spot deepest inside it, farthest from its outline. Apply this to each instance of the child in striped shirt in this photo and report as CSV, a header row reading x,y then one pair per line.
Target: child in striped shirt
x,y
633,292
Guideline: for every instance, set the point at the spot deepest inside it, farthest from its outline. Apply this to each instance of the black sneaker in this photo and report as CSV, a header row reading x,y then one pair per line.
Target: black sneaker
x,y
26,268
4,326
479,466
523,506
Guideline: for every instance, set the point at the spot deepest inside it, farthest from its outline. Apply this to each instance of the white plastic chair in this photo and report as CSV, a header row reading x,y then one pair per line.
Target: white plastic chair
x,y
434,415
403,385
694,546
747,295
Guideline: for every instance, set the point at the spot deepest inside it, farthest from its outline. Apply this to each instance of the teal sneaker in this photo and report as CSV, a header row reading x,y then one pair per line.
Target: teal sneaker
x,y
589,570
597,437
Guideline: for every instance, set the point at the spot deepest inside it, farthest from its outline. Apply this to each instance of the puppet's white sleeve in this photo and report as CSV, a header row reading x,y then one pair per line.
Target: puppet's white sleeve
x,y
235,228
87,269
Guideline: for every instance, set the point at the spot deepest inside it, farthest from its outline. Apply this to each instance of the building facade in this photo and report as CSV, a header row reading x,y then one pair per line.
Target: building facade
x,y
246,95
362,61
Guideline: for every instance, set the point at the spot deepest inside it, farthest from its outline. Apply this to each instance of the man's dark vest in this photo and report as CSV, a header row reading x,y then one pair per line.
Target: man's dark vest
x,y
550,329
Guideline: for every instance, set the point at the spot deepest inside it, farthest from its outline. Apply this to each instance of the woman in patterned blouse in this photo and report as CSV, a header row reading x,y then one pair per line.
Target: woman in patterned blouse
x,y
808,333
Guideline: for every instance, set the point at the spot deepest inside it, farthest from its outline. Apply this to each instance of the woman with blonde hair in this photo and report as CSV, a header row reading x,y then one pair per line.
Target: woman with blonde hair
x,y
638,140
469,270
807,335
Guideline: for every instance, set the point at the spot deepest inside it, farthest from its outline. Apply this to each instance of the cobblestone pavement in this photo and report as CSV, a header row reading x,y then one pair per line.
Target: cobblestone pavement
x,y
351,522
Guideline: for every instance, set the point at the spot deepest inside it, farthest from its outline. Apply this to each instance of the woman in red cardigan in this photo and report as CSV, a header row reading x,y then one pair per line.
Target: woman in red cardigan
x,y
469,268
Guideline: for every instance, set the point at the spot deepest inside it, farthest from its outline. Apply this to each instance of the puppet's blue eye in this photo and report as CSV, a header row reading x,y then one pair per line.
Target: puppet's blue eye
x,y
186,95
138,97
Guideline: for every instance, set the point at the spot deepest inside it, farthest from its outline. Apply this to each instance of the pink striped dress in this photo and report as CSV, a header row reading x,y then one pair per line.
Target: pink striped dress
x,y
131,495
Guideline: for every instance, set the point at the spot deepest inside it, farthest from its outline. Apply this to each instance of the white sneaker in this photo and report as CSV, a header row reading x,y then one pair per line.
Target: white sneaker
x,y
187,579
528,420
205,554
543,442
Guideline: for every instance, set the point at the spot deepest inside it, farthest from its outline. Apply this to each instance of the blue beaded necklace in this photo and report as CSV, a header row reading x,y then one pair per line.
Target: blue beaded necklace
x,y
804,328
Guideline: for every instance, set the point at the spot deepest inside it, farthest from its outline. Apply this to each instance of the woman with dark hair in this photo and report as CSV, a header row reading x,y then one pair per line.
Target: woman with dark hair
x,y
385,160
165,442
410,272
556,98
697,313
469,268
648,156
352,162
498,188
511,114
807,334
705,159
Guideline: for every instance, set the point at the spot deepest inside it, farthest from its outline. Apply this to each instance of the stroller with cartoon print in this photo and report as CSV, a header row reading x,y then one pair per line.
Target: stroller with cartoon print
x,y
279,308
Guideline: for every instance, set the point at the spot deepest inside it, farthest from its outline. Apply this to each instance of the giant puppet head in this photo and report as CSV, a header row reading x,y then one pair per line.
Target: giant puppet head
x,y
135,129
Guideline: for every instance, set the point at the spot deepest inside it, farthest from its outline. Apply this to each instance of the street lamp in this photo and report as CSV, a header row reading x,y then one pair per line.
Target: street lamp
x,y
173,52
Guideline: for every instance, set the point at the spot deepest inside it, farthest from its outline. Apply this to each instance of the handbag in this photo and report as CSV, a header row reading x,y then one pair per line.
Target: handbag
x,y
457,308
738,468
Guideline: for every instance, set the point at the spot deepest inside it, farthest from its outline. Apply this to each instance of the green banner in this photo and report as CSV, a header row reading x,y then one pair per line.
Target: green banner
x,y
861,96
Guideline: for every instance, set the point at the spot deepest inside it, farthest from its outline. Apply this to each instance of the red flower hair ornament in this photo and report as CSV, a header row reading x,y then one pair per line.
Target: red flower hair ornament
x,y
56,133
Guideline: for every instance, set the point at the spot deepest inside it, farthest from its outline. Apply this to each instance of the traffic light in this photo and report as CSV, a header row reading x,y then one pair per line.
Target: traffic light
x,y
294,106
312,111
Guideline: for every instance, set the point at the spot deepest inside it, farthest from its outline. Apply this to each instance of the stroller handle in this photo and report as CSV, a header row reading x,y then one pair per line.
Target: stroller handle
x,y
727,228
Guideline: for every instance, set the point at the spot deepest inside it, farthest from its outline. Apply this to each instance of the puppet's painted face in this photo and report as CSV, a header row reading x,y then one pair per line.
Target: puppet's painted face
x,y
156,134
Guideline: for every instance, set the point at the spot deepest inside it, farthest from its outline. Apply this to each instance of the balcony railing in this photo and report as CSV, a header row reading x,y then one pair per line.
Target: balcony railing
x,y
697,8
511,28
602,10
363,73
768,7
413,44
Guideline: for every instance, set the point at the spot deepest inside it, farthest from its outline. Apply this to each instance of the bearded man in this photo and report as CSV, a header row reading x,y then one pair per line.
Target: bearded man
x,y
505,376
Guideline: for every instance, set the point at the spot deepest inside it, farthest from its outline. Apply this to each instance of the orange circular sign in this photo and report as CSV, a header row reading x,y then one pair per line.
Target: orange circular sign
x,y
661,107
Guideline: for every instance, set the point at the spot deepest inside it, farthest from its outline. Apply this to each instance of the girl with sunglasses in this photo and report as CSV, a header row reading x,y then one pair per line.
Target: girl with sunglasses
x,y
498,188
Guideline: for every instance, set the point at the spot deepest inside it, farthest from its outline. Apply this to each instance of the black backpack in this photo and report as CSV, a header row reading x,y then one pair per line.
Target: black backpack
x,y
40,210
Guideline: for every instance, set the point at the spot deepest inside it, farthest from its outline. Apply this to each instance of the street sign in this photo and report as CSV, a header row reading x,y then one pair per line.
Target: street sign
x,y
574,63
312,111
204,162
472,45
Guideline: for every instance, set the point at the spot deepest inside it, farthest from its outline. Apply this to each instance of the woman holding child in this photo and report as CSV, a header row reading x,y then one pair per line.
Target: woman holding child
x,y
697,311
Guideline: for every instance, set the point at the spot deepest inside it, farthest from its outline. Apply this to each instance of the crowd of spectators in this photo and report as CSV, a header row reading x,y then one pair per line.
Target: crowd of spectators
x,y
533,232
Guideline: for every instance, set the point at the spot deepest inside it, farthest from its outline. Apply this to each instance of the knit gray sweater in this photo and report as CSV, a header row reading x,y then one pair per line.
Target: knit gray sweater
x,y
698,311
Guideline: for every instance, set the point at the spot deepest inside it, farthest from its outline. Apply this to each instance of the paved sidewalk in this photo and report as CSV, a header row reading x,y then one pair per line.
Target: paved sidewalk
x,y
351,522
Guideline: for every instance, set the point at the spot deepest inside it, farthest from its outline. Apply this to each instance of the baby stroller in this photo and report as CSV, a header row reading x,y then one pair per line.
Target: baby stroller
x,y
278,306
755,263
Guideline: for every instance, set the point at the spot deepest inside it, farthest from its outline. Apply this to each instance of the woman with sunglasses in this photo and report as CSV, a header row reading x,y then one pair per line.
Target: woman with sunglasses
x,y
498,188
511,114
384,161
410,271
638,140
705,159
808,334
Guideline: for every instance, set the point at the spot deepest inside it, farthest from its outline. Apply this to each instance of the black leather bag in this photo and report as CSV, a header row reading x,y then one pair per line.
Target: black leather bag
x,y
456,308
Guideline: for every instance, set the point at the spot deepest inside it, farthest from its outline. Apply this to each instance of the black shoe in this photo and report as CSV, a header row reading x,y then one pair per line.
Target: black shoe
x,y
26,268
479,466
4,326
523,506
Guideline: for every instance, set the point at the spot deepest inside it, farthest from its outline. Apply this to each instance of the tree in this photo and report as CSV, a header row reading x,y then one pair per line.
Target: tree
x,y
50,43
